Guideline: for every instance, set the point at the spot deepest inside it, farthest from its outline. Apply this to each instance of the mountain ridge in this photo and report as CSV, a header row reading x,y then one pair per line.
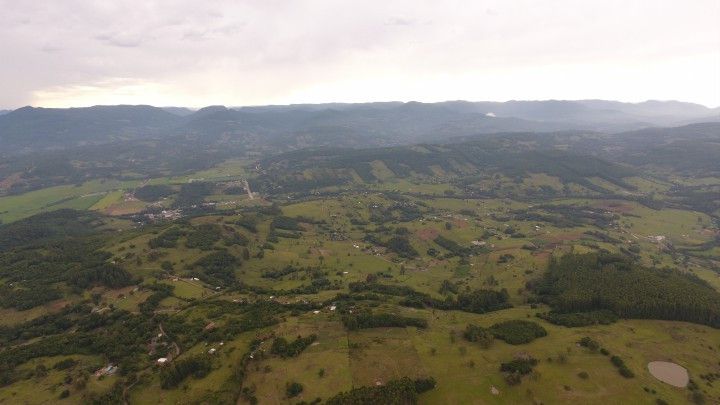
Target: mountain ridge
x,y
384,123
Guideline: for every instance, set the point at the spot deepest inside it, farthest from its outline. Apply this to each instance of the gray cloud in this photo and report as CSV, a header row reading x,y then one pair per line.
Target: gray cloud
x,y
120,39
401,21
73,52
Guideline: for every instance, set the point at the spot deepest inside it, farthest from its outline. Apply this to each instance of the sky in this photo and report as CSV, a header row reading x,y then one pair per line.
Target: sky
x,y
254,52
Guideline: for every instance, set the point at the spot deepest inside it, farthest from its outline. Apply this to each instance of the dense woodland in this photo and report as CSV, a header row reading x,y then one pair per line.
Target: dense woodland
x,y
592,282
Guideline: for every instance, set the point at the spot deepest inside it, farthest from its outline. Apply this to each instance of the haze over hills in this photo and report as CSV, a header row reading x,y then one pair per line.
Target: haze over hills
x,y
365,124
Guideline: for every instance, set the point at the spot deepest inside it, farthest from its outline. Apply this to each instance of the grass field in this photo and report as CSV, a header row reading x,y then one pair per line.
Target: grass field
x,y
47,388
79,197
465,372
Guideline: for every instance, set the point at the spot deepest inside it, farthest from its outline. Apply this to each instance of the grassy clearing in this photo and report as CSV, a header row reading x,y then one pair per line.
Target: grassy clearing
x,y
108,200
40,388
83,196
330,353
194,390
465,372
228,170
9,316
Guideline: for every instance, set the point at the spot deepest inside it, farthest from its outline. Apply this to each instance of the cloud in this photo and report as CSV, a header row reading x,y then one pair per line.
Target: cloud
x,y
120,39
110,91
400,21
50,48
210,33
270,51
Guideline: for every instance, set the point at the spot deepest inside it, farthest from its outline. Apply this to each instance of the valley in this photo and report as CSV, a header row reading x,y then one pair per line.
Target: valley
x,y
458,272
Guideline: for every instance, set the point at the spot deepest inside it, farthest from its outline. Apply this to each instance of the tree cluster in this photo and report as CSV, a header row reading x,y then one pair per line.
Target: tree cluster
x,y
599,281
367,320
403,391
283,348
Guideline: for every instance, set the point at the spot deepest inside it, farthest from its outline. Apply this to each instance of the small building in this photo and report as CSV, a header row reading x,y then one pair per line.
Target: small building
x,y
109,370
162,361
212,351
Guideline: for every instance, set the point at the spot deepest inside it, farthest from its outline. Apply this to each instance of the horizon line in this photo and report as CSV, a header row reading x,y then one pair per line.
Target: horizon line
x,y
196,108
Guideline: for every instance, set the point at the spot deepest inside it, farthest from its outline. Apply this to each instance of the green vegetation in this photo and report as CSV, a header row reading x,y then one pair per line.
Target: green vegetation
x,y
203,237
173,375
369,320
481,301
401,246
622,368
153,192
519,366
474,333
574,319
283,348
167,239
592,282
192,194
218,267
517,332
352,275
403,391
51,256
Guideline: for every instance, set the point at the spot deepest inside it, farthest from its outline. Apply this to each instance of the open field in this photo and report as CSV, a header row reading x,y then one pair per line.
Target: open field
x,y
80,197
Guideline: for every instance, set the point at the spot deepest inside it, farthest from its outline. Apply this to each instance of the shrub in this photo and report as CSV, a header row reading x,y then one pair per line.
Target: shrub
x,y
517,332
589,343
513,379
424,384
622,368
519,366
293,389
626,372
474,333
697,397
617,361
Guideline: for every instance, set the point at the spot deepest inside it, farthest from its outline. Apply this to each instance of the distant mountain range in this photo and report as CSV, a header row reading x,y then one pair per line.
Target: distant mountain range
x,y
366,124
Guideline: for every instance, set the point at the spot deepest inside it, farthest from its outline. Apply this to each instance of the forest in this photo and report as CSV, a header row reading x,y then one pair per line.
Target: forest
x,y
597,281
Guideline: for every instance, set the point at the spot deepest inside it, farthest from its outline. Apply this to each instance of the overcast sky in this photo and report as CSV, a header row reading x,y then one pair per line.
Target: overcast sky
x,y
197,53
